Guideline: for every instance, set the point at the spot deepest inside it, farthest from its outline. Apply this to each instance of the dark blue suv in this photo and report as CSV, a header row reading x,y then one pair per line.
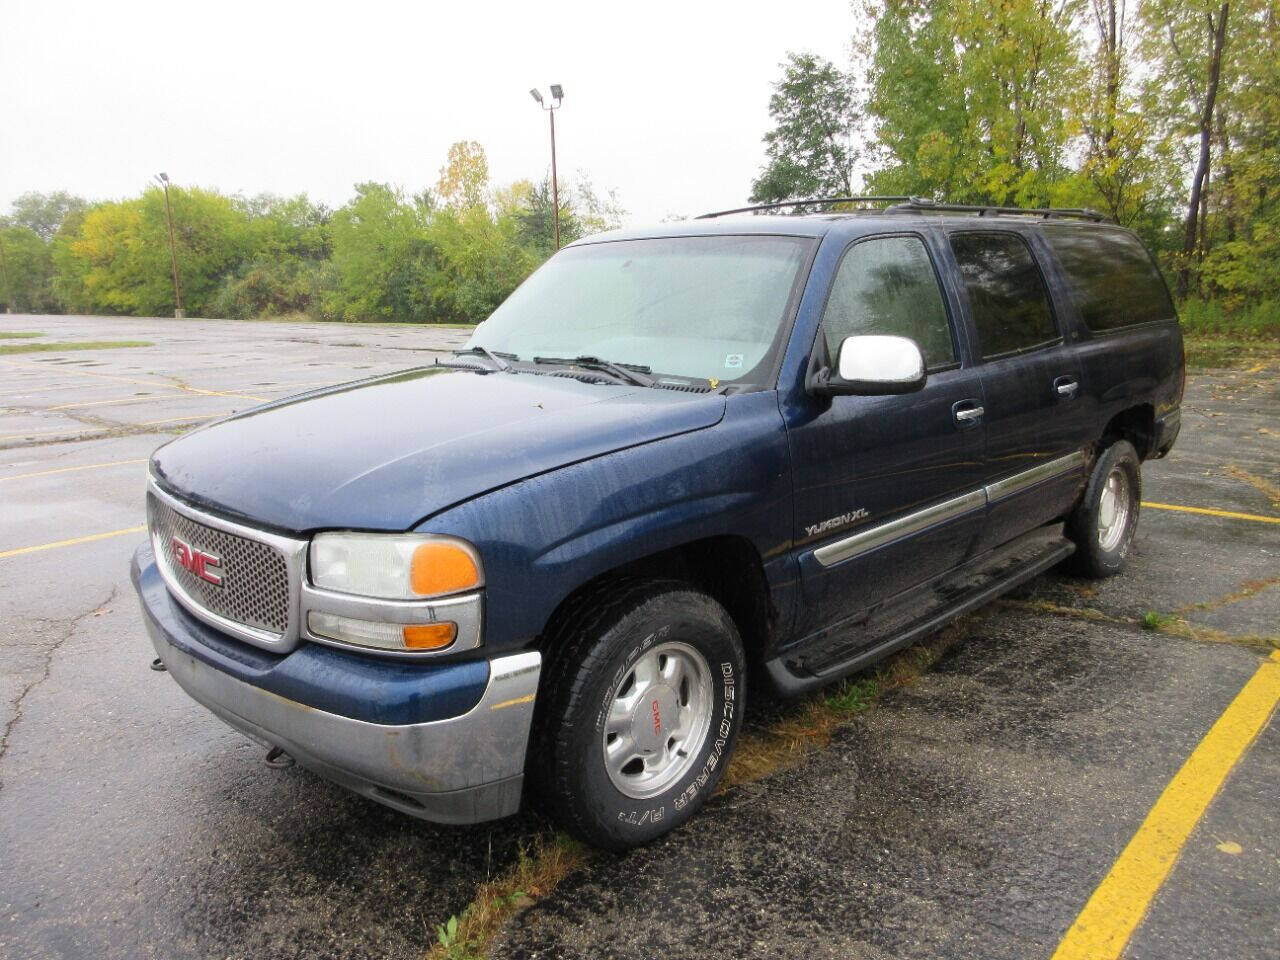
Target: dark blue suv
x,y
766,447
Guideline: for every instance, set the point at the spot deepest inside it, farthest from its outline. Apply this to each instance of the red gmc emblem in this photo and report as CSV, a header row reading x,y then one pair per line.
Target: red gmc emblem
x,y
203,565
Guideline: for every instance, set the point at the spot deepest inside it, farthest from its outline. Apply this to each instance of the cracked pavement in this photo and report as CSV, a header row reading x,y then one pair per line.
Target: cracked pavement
x,y
967,815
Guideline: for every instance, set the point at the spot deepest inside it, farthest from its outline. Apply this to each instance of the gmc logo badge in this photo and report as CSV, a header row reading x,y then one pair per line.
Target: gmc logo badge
x,y
203,565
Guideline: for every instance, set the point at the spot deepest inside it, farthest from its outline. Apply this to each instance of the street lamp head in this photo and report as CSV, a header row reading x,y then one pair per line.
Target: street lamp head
x,y
557,91
163,176
535,94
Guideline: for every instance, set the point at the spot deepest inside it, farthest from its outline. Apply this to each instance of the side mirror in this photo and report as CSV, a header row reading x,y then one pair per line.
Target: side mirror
x,y
873,364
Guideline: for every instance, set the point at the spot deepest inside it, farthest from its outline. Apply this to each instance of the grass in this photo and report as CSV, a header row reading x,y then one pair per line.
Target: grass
x,y
1205,350
1152,620
60,347
466,936
19,334
1212,318
807,725
1217,336
804,727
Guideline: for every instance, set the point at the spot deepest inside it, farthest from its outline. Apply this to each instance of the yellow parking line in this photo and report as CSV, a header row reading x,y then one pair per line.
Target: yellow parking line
x,y
146,383
5,554
146,398
199,416
1113,913
1212,513
87,466
527,698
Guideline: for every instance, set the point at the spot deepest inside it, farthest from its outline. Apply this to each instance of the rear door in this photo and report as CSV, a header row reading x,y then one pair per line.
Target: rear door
x,y
1036,425
888,489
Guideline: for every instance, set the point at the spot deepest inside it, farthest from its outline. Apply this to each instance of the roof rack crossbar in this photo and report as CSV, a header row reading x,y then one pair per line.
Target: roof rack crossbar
x,y
903,204
812,201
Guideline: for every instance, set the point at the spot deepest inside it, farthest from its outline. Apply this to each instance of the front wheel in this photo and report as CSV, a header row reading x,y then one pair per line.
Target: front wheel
x,y
643,705
1105,521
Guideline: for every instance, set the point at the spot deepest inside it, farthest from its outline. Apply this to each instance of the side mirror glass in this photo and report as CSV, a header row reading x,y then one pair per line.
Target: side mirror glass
x,y
876,364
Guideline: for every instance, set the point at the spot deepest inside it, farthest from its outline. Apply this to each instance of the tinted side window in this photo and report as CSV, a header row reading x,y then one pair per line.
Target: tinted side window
x,y
1006,292
888,285
1113,279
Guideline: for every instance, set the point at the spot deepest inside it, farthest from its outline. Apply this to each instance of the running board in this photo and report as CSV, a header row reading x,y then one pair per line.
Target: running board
x,y
788,671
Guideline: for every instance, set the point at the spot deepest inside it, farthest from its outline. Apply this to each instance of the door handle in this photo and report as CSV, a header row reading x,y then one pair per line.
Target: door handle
x,y
1066,387
967,411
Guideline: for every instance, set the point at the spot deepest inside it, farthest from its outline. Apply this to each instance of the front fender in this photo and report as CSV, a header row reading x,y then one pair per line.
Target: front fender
x,y
542,538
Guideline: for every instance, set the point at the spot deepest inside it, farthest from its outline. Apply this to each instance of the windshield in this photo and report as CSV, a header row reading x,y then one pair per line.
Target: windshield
x,y
699,307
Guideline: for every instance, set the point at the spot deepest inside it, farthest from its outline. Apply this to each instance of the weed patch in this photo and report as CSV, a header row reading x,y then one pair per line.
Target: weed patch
x,y
467,935
60,347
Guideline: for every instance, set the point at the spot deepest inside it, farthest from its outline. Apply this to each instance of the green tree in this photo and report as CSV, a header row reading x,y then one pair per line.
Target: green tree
x,y
383,259
26,281
970,98
809,151
43,213
117,260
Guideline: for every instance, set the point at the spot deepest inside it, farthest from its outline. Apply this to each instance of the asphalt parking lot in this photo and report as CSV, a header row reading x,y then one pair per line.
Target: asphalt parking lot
x,y
972,813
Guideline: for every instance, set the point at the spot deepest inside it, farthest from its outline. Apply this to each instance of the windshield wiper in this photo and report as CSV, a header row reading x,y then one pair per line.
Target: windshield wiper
x,y
634,373
496,357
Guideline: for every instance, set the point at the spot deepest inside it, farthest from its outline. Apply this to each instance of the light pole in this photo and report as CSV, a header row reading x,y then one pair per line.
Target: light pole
x,y
163,180
557,94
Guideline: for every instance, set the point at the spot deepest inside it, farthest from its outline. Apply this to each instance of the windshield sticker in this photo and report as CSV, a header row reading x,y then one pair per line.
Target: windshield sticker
x,y
733,361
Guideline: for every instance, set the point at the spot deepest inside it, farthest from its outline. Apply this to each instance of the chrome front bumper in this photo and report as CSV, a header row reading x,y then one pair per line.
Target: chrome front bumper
x,y
462,769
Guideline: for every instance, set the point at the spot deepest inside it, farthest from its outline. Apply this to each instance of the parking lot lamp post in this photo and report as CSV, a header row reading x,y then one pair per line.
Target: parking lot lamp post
x,y
557,94
163,180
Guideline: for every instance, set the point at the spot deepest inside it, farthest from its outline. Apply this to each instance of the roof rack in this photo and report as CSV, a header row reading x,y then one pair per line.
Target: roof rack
x,y
924,204
906,204
812,201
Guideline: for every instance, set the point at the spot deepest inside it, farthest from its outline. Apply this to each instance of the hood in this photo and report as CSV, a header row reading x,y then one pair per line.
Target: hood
x,y
385,453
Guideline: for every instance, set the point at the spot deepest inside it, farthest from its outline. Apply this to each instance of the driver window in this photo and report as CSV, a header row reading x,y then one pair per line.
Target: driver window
x,y
887,285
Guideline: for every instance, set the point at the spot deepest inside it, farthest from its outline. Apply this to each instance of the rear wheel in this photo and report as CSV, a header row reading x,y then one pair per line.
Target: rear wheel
x,y
643,705
1105,521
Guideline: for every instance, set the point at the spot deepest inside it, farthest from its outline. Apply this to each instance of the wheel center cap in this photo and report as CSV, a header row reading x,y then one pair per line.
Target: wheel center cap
x,y
654,718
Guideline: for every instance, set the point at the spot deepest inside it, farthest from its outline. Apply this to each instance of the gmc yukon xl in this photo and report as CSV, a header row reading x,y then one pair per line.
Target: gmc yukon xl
x,y
774,448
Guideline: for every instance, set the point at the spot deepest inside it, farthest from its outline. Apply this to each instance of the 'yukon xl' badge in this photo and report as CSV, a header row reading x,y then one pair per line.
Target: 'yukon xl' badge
x,y
835,522
196,561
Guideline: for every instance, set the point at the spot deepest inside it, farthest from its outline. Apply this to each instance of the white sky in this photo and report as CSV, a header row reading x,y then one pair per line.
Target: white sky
x,y
664,102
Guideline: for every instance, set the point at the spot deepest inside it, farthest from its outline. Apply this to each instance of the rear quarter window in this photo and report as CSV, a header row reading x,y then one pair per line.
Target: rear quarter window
x,y
1112,277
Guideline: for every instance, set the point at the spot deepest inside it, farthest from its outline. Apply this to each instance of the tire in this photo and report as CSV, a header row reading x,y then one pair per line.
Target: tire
x,y
1105,521
642,669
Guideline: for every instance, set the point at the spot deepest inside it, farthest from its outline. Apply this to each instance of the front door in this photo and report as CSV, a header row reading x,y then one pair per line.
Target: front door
x,y
888,489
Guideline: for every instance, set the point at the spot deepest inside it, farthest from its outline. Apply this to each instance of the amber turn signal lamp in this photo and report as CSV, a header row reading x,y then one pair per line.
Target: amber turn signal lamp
x,y
440,567
429,636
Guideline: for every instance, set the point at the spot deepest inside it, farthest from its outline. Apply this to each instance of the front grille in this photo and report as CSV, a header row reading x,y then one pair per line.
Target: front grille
x,y
255,576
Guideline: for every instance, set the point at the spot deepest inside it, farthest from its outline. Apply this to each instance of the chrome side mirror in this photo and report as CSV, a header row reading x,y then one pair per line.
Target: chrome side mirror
x,y
873,364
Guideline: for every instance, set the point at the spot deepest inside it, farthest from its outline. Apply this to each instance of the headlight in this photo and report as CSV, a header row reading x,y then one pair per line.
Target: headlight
x,y
394,566
379,576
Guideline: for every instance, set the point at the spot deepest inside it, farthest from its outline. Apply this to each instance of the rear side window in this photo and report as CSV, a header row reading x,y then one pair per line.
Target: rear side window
x,y
1114,282
1006,292
887,285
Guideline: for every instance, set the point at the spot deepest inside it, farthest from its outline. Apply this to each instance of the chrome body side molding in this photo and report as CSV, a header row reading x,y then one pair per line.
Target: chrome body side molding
x,y
865,541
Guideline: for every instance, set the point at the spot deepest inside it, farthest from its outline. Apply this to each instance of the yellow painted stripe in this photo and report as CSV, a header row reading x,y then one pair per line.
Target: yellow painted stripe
x,y
1257,518
198,416
5,554
146,398
87,466
528,698
1113,913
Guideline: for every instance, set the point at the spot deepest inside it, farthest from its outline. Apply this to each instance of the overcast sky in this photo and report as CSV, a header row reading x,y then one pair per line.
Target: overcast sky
x,y
664,102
